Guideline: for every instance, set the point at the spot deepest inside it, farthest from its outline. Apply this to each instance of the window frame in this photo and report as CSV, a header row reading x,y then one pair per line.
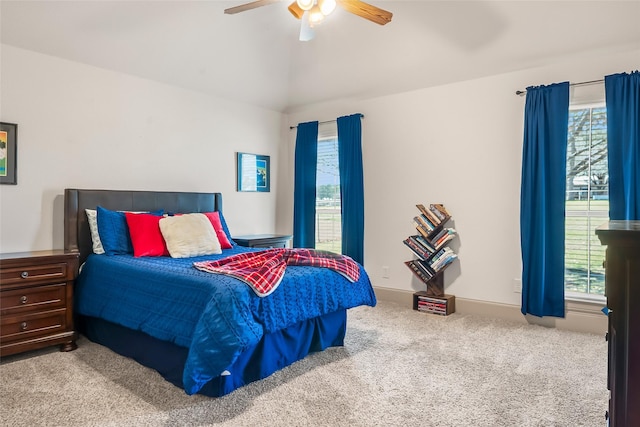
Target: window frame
x,y
328,132
590,214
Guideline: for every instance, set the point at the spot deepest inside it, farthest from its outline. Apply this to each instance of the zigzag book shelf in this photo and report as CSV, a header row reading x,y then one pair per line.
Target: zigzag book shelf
x,y
433,256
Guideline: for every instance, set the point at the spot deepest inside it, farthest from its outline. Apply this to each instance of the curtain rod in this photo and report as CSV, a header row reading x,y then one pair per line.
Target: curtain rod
x,y
326,121
591,82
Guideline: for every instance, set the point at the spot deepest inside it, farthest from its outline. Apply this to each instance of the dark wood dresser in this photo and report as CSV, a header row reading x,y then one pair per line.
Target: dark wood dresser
x,y
36,300
622,289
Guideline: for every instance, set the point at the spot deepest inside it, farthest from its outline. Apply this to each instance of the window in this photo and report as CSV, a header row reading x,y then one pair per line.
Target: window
x,y
328,208
587,200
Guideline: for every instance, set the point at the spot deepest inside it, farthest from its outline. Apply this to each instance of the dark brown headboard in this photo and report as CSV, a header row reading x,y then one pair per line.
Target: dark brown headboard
x,y
77,237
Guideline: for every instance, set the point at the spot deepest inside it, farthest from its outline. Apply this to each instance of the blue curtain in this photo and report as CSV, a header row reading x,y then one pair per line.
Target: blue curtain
x,y
542,198
623,143
304,192
351,185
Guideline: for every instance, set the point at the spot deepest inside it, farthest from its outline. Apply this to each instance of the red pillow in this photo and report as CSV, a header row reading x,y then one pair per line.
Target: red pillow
x,y
146,236
214,217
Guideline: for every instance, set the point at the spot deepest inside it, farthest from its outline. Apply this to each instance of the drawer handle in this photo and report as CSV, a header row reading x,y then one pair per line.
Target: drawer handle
x,y
23,326
24,274
23,299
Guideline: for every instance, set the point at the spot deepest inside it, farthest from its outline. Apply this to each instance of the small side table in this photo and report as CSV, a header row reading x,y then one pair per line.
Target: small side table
x,y
36,300
264,240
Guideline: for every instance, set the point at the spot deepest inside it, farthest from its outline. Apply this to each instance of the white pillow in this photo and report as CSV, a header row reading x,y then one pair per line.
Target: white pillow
x,y
92,218
189,235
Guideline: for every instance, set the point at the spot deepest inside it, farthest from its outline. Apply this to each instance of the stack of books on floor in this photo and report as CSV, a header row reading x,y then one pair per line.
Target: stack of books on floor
x,y
443,305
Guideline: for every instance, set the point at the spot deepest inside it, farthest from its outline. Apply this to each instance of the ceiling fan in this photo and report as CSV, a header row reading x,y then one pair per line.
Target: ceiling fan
x,y
312,12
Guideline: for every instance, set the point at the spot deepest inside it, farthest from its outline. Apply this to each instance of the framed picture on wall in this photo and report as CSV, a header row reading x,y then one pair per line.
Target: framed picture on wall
x,y
253,172
8,153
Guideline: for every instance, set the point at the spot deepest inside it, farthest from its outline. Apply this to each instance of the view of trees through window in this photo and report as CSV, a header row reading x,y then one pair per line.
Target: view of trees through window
x,y
587,199
328,210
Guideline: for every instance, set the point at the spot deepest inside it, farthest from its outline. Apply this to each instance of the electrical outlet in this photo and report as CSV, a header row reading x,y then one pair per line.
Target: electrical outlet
x,y
385,272
517,285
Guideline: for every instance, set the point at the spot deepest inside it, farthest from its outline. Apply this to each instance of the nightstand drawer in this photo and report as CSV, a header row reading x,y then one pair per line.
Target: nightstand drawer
x,y
30,325
37,298
34,273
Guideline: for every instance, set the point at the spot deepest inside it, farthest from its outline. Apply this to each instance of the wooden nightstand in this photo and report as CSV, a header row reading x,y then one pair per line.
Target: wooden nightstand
x,y
36,300
264,240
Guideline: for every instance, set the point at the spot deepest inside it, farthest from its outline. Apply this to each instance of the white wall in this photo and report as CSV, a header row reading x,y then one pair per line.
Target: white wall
x,y
461,145
85,127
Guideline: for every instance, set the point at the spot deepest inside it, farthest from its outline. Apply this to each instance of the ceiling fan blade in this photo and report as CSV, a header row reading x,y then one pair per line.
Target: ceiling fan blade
x,y
296,10
366,11
306,30
249,6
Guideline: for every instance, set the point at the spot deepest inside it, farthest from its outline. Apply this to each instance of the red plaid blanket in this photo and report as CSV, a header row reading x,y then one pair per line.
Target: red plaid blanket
x,y
263,270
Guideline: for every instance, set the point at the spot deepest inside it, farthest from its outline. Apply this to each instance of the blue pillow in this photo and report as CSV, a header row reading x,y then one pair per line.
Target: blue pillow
x,y
114,231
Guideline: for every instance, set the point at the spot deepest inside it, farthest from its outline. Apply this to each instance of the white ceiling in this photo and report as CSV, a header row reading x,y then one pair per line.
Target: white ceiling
x,y
255,56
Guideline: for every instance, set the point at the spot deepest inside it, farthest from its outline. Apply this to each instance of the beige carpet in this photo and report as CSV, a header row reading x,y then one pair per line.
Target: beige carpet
x,y
398,367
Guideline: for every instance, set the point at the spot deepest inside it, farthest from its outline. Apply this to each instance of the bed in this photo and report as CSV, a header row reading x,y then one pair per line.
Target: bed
x,y
205,333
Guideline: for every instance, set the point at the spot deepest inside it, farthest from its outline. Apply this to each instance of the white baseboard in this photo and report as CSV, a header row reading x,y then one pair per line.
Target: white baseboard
x,y
579,316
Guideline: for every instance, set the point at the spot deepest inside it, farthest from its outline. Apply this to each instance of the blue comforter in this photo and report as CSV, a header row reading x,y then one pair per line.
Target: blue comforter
x,y
216,317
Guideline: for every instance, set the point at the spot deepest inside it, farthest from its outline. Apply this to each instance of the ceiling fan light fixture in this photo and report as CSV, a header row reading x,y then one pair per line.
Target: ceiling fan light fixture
x,y
306,32
315,15
327,6
305,4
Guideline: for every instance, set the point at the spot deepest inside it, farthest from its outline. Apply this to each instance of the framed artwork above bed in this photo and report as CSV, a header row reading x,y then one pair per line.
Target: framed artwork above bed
x,y
253,172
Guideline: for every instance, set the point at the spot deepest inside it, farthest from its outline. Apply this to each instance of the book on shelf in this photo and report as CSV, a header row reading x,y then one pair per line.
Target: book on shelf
x,y
443,260
437,213
423,221
419,269
426,267
425,243
427,298
437,305
444,238
437,236
432,309
440,207
416,248
438,254
422,245
435,220
439,310
446,262
422,230
429,306
439,313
